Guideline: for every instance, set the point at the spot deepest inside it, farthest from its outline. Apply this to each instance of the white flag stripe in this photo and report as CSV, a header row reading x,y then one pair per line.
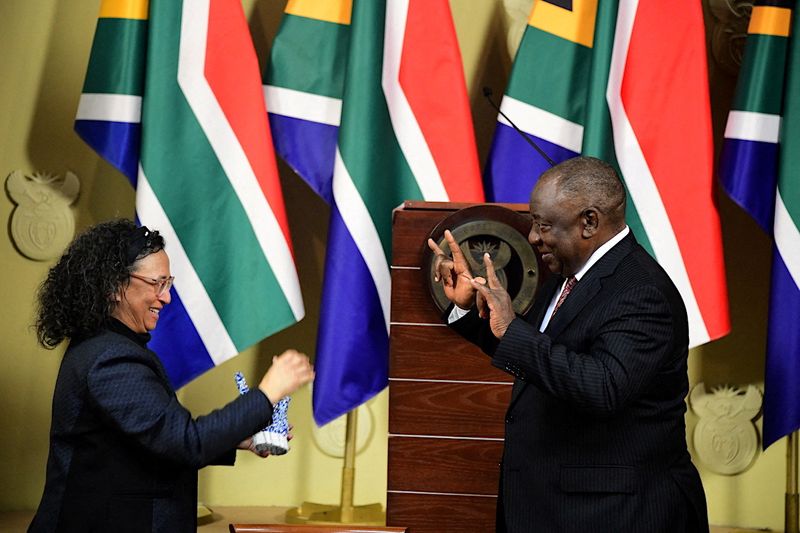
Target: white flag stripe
x,y
362,229
302,105
193,294
750,126
542,124
640,182
231,155
406,128
110,107
787,238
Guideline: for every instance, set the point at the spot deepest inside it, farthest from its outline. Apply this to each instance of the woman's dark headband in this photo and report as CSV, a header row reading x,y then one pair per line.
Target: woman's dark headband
x,y
140,240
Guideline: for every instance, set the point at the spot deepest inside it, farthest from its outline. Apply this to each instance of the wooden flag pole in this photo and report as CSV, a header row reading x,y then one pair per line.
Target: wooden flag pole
x,y
792,508
348,470
346,512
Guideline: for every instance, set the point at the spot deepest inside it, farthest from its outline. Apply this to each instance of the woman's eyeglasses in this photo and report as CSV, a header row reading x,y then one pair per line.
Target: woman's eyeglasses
x,y
161,285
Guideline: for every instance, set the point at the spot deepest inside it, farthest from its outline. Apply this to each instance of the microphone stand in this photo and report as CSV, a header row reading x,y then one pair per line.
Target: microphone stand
x,y
487,92
792,500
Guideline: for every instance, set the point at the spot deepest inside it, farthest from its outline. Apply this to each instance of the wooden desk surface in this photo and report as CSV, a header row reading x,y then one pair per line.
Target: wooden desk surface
x,y
222,516
17,521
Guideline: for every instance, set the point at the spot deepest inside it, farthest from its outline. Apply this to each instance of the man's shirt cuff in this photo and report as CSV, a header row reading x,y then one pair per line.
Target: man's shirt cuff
x,y
456,313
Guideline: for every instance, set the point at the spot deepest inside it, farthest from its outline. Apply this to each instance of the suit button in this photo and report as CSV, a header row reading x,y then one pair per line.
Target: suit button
x,y
509,419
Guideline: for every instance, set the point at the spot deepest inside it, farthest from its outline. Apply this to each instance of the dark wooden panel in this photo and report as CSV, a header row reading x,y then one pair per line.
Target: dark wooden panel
x,y
438,408
427,352
447,409
444,465
412,224
410,230
422,513
411,300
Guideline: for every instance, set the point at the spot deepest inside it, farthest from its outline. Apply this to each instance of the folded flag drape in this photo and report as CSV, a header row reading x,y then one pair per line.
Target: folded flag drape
x,y
760,170
624,81
368,104
173,99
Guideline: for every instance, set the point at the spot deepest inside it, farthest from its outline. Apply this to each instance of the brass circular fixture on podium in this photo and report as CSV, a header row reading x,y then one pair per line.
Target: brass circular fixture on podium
x,y
502,233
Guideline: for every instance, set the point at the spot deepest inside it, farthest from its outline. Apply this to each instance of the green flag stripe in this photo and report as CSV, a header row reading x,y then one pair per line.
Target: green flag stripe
x,y
363,140
552,75
574,88
323,47
789,179
598,137
222,219
116,65
764,59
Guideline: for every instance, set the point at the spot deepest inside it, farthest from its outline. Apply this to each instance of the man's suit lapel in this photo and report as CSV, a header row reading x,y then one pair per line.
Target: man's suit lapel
x,y
589,286
581,294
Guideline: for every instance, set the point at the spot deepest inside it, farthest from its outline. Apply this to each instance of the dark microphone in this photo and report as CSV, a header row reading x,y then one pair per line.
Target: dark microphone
x,y
487,92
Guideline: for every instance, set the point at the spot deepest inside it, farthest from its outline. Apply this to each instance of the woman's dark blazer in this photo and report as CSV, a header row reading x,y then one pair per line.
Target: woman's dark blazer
x,y
124,453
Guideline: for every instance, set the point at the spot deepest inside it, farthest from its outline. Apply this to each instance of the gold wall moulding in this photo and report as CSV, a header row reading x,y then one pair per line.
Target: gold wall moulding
x,y
725,438
42,224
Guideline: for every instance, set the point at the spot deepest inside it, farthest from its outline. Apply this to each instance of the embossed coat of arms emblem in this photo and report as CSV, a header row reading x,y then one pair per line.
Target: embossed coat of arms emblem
x,y
42,224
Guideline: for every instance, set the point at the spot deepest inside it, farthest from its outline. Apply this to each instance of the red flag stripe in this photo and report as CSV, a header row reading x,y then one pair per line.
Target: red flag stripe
x,y
665,94
237,87
432,78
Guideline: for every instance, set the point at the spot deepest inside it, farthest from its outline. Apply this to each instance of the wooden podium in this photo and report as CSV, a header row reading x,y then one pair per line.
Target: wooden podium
x,y
446,402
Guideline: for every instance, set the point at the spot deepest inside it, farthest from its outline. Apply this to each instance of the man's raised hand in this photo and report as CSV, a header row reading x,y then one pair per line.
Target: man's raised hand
x,y
454,273
496,298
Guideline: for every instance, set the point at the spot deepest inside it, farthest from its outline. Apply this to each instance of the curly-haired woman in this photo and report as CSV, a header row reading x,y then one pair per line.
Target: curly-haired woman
x,y
124,453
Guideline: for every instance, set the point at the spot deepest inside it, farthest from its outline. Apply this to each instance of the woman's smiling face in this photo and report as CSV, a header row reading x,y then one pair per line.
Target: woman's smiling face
x,y
141,300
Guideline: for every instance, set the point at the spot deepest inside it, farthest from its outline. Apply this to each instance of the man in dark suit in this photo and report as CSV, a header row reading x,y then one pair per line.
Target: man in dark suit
x,y
595,436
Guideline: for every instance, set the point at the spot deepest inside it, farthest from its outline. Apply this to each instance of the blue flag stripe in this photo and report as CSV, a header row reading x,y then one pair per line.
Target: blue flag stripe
x,y
345,377
514,166
309,148
782,389
116,142
175,337
740,162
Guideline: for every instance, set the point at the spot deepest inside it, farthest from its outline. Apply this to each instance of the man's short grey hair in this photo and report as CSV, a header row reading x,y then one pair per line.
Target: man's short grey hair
x,y
592,180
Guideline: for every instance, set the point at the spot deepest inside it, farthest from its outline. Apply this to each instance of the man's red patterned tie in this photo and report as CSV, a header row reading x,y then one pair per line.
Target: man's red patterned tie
x,y
571,281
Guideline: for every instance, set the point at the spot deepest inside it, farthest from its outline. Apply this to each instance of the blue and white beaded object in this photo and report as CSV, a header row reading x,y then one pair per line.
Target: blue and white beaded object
x,y
275,437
